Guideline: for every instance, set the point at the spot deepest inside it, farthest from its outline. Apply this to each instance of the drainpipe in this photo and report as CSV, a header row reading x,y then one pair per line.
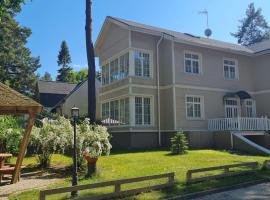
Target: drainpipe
x,y
158,92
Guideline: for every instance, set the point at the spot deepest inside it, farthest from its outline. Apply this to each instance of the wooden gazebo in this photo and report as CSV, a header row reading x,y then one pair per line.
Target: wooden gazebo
x,y
14,103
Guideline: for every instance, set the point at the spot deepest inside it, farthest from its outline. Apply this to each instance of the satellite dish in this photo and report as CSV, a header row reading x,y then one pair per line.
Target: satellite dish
x,y
208,32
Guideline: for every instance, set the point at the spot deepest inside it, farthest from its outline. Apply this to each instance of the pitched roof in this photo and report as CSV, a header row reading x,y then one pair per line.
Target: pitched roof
x,y
54,87
11,100
178,36
261,46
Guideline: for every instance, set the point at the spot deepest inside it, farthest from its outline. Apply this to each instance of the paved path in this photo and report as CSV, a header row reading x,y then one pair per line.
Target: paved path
x,y
26,183
258,192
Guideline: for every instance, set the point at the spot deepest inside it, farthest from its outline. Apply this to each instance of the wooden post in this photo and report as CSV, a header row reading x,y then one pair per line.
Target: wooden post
x,y
23,147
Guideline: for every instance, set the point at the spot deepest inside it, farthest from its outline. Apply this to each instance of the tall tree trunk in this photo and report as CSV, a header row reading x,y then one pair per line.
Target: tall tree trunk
x,y
91,63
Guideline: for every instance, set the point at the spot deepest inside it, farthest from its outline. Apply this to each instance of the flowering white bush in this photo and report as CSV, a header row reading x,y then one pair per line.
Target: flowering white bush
x,y
92,140
57,136
50,138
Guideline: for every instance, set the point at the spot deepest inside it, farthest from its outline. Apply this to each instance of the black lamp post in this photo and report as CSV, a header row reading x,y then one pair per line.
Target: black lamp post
x,y
75,115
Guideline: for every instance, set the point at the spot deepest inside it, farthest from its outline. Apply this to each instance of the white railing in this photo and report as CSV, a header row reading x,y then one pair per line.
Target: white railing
x,y
239,124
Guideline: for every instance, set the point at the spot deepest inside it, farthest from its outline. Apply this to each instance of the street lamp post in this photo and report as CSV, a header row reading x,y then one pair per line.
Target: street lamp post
x,y
75,115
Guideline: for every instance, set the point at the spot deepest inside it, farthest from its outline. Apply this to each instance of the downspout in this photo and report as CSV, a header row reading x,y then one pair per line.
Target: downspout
x,y
158,92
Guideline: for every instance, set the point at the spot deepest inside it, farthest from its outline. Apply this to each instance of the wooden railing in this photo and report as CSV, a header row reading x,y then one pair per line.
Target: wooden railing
x,y
227,172
239,124
118,191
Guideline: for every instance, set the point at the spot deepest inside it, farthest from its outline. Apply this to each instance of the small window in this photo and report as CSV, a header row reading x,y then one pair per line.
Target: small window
x,y
142,111
192,63
142,64
230,69
194,107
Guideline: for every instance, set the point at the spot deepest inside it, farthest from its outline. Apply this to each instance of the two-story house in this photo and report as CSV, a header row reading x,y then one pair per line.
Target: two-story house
x,y
156,82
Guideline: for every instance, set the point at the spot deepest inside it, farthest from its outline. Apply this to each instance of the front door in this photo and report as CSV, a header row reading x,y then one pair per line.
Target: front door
x,y
232,109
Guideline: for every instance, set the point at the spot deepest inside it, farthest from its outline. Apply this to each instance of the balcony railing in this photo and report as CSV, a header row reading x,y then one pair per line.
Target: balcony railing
x,y
239,124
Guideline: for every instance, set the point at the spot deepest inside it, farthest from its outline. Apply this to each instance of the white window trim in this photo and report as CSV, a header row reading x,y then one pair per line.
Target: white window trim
x,y
238,106
202,107
116,99
108,61
236,68
253,106
152,121
151,64
200,63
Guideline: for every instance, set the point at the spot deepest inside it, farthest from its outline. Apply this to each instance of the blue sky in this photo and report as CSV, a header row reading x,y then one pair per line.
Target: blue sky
x,y
52,21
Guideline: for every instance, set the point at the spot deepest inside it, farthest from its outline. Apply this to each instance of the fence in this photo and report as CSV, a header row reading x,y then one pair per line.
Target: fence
x,y
117,187
226,168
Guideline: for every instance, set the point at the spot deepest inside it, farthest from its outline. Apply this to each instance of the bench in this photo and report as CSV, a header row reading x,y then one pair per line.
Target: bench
x,y
8,169
225,168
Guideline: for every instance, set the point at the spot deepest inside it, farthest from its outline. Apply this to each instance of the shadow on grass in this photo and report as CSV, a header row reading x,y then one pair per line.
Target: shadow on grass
x,y
143,150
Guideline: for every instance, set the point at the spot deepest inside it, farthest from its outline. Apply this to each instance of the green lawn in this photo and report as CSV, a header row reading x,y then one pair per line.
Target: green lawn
x,y
135,164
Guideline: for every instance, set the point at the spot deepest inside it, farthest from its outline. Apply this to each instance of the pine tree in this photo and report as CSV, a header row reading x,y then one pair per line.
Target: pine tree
x,y
17,66
46,77
63,61
179,143
253,27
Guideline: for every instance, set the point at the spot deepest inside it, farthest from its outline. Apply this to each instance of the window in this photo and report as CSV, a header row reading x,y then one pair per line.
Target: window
x,y
142,64
250,108
106,112
124,65
230,69
231,108
116,112
142,111
124,111
192,63
194,107
114,75
105,74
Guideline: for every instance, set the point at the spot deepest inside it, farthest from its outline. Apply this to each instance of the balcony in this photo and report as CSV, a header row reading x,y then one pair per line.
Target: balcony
x,y
239,124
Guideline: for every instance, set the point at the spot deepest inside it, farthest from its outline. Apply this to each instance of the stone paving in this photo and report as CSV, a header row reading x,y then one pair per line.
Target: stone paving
x,y
256,192
26,183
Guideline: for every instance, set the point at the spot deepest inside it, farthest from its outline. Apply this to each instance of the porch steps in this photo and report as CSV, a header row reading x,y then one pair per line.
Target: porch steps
x,y
252,144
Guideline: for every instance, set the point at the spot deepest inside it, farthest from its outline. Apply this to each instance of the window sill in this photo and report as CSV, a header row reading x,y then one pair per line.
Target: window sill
x,y
193,74
195,119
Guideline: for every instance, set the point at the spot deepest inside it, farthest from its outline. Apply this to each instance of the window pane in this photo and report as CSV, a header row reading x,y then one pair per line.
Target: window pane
x,y
187,55
190,110
114,113
124,65
138,110
127,111
138,63
147,111
188,66
197,110
195,65
146,65
114,70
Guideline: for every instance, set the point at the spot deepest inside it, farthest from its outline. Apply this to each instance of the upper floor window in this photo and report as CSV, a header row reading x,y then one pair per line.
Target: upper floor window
x,y
142,63
194,107
230,69
192,63
116,69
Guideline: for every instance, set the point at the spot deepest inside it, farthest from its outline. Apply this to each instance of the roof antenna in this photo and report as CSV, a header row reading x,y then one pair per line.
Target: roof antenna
x,y
208,31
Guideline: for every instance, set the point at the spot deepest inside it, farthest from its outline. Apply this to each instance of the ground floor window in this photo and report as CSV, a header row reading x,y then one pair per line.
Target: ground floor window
x,y
194,107
231,108
250,108
116,112
142,110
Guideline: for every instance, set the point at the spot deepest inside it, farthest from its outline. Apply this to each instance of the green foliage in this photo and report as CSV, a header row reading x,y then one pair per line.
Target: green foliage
x,y
63,61
10,134
56,136
17,66
46,77
253,28
179,143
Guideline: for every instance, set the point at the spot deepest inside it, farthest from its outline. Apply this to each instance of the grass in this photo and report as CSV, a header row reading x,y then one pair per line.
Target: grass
x,y
136,164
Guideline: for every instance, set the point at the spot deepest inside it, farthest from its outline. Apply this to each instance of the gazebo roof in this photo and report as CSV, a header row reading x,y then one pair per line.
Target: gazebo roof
x,y
12,102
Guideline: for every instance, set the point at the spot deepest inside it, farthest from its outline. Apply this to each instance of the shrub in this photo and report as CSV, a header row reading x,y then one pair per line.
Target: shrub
x,y
50,138
179,143
92,140
10,134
